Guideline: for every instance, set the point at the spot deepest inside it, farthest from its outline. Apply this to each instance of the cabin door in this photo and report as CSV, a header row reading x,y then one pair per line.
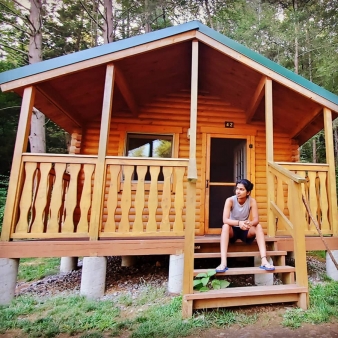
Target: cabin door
x,y
227,160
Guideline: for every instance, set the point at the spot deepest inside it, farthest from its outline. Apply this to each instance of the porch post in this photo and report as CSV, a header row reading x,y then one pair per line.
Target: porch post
x,y
189,241
98,190
333,214
20,147
269,151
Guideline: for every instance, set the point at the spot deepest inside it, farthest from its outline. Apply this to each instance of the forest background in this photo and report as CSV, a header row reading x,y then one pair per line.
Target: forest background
x,y
301,35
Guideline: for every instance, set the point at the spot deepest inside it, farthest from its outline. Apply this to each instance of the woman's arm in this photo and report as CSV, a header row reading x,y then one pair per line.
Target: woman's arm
x,y
254,214
226,213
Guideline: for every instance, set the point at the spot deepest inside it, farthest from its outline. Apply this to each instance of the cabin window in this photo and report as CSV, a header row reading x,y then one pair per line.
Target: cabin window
x,y
150,146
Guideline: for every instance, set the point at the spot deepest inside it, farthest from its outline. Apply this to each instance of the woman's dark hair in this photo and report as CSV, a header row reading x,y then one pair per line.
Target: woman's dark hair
x,y
247,184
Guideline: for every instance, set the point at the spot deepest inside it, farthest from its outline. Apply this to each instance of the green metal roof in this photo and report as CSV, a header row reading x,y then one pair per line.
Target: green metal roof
x,y
113,47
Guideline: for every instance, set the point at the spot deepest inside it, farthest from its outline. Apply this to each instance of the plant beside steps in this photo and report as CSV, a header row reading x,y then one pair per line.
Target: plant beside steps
x,y
248,295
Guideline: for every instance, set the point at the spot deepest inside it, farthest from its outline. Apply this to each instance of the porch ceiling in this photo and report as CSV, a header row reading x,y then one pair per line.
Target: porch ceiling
x,y
142,77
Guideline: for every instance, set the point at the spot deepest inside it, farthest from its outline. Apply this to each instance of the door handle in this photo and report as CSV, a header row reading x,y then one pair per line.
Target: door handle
x,y
207,184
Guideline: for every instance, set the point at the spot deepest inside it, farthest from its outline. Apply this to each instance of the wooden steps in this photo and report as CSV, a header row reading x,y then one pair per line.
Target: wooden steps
x,y
248,271
208,247
249,295
238,254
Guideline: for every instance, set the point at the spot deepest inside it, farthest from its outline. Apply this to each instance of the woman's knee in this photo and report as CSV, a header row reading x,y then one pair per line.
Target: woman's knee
x,y
259,228
226,227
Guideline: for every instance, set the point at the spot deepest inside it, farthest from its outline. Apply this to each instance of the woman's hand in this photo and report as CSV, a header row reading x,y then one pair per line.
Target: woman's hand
x,y
245,225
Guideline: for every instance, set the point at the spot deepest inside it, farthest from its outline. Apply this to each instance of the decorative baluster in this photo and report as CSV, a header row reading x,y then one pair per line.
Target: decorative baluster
x,y
153,199
71,198
26,198
312,197
114,170
166,199
41,198
126,199
179,199
139,199
56,200
323,194
86,198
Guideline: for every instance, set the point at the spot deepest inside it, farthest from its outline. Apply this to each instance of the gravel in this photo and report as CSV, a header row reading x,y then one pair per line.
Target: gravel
x,y
148,270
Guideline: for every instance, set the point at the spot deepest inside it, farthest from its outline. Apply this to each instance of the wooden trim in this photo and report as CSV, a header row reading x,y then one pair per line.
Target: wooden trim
x,y
235,131
150,161
126,92
192,168
304,122
252,164
265,71
304,166
98,190
110,57
284,172
86,248
16,170
256,99
48,158
129,234
145,128
331,184
59,102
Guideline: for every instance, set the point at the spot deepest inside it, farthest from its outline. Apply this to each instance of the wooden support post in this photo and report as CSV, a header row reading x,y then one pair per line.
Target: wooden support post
x,y
16,170
192,169
299,239
331,184
189,239
100,170
269,152
189,244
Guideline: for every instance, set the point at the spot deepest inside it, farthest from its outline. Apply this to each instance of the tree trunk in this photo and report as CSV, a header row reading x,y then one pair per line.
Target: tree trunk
x,y
295,7
147,26
108,24
37,138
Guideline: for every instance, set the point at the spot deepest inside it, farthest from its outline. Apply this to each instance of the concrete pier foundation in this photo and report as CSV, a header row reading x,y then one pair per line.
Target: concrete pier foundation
x,y
264,278
8,276
93,278
331,269
176,268
68,264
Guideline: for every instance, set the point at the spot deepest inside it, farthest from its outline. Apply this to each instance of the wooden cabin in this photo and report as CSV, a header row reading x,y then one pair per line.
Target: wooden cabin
x,y
161,127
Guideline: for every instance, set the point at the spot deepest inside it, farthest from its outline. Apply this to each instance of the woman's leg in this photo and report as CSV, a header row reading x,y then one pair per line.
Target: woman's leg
x,y
259,233
227,233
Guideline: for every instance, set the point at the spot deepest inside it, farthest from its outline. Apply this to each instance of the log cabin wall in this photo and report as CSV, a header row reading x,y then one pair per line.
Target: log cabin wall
x,y
166,114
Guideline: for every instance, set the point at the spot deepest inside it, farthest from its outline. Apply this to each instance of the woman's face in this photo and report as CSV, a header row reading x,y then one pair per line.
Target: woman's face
x,y
241,192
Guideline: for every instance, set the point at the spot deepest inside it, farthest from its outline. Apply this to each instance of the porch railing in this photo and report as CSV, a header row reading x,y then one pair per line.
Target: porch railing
x,y
55,194
286,210
144,197
314,189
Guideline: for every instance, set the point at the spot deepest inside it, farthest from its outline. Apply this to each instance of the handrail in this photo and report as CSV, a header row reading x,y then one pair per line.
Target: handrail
x,y
287,173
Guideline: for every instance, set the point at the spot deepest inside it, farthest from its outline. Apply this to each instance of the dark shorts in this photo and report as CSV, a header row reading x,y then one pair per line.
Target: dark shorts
x,y
242,235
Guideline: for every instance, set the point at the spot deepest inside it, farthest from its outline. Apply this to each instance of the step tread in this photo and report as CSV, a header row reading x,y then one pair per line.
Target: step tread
x,y
238,254
217,238
247,270
244,291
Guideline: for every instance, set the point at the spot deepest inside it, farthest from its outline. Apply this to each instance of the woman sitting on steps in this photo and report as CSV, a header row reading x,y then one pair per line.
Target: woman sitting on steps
x,y
238,226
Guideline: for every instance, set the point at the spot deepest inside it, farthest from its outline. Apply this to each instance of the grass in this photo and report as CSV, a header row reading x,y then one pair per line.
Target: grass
x,y
320,254
323,306
31,269
149,314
